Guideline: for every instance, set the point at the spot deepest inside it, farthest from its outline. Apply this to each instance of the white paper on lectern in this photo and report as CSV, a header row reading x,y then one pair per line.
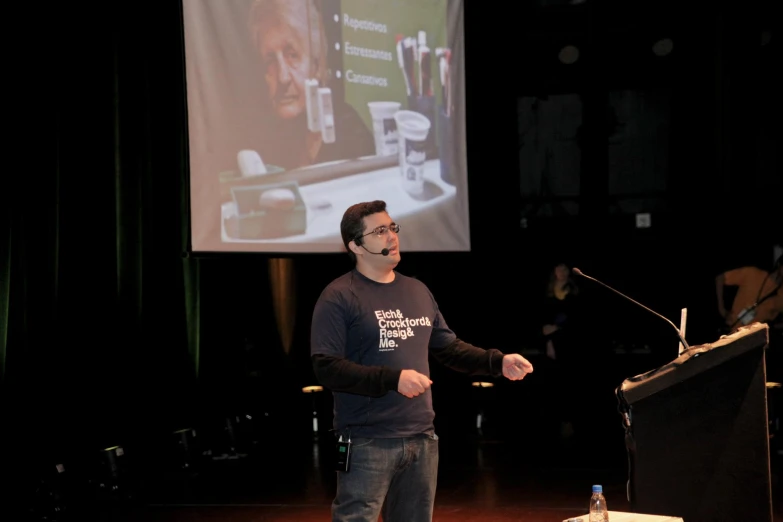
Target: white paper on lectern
x,y
618,516
683,321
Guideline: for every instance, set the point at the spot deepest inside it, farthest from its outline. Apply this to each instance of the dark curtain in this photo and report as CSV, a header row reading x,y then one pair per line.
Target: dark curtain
x,y
5,287
99,306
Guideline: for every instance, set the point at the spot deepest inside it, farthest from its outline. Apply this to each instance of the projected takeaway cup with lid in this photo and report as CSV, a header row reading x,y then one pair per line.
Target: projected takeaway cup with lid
x,y
413,129
384,127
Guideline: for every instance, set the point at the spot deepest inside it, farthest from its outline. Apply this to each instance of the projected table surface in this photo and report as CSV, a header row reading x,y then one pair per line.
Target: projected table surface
x,y
327,201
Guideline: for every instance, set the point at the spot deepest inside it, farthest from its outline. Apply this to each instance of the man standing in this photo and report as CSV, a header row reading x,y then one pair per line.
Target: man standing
x,y
373,329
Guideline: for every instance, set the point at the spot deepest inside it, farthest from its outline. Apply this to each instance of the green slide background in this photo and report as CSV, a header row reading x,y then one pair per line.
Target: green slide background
x,y
406,17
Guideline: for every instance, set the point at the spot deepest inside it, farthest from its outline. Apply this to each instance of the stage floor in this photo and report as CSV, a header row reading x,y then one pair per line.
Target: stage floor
x,y
478,481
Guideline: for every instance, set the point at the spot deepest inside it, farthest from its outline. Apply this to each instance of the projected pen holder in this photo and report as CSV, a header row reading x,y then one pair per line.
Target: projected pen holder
x,y
446,147
426,106
268,211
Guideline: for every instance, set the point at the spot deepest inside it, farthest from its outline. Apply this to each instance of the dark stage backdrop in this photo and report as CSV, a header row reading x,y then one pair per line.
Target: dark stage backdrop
x,y
110,333
100,308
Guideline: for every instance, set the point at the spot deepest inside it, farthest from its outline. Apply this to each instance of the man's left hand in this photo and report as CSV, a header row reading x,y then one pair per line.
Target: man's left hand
x,y
515,367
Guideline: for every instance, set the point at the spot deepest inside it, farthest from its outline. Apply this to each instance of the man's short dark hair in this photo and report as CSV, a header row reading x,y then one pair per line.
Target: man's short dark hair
x,y
352,224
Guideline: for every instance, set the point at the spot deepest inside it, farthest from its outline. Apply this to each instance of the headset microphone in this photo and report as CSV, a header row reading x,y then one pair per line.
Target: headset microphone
x,y
360,242
384,252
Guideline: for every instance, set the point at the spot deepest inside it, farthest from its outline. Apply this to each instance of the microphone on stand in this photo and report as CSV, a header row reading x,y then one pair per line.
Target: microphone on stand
x,y
679,334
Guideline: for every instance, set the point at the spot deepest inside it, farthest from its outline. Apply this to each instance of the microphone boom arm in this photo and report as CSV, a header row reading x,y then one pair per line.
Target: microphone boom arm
x,y
679,334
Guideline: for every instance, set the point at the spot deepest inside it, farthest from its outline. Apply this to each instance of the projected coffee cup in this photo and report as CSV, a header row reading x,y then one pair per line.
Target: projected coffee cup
x,y
384,127
413,129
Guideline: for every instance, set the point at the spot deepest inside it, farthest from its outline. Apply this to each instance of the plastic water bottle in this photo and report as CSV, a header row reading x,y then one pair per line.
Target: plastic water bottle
x,y
598,510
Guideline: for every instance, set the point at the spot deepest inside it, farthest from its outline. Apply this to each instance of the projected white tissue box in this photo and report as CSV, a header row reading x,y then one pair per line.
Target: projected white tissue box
x,y
233,178
268,211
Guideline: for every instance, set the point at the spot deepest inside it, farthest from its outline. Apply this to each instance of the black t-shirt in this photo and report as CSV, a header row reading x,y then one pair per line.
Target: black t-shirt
x,y
390,325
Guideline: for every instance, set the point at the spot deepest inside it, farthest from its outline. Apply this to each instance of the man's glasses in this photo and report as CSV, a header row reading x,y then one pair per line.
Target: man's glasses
x,y
383,229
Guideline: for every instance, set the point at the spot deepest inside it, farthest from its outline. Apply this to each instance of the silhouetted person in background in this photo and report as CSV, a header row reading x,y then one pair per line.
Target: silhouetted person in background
x,y
759,297
561,335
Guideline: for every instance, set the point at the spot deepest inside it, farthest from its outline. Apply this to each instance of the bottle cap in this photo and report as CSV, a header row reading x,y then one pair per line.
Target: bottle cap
x,y
598,489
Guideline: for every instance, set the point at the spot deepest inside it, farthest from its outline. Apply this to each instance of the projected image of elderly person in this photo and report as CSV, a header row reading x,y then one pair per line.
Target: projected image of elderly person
x,y
291,42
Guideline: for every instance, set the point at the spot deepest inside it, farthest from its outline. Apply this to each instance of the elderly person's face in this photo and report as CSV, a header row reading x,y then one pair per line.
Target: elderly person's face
x,y
286,58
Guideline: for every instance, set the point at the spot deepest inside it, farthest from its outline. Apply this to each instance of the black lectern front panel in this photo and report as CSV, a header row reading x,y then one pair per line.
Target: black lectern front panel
x,y
697,433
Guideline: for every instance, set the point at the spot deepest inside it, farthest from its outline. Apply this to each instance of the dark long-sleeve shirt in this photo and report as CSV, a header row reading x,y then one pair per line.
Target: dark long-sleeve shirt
x,y
342,375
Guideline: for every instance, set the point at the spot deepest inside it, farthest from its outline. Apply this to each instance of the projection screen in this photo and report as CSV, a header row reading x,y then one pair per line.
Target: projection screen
x,y
298,109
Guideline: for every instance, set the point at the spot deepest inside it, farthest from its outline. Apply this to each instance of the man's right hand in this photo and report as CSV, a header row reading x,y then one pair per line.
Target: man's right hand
x,y
413,383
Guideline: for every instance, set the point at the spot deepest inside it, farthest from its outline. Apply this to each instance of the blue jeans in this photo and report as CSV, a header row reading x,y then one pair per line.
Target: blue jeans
x,y
396,477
